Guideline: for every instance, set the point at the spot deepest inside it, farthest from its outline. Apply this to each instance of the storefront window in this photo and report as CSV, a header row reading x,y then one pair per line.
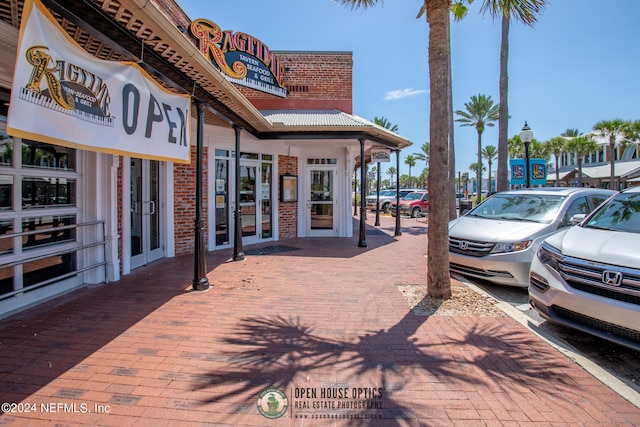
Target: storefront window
x,y
322,161
39,188
47,156
6,150
6,192
6,243
47,234
45,269
48,192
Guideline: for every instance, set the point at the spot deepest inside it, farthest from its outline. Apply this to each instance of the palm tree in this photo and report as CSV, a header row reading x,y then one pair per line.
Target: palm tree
x,y
480,113
382,121
392,173
478,171
610,129
411,161
582,146
437,17
525,11
489,153
632,133
570,133
556,146
423,154
459,9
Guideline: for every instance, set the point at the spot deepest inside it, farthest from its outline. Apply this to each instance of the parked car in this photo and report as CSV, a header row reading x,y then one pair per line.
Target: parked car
x,y
588,277
497,240
412,204
386,198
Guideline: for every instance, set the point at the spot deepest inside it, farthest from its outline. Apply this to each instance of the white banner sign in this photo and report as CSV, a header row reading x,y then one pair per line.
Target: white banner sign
x,y
64,96
380,155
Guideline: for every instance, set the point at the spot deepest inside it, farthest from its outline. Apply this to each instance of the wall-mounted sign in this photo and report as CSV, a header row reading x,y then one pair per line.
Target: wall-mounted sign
x,y
380,155
64,96
288,188
242,59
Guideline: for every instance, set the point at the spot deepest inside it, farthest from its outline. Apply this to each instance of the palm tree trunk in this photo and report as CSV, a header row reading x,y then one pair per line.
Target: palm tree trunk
x,y
579,171
612,158
502,183
452,150
438,281
557,174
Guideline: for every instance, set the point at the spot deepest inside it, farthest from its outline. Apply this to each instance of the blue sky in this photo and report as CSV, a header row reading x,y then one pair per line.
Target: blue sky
x,y
578,65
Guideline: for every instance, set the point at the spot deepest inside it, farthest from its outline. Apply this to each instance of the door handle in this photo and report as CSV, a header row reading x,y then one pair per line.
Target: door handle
x,y
152,207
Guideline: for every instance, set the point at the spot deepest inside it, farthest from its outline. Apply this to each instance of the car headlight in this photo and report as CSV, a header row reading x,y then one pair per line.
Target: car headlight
x,y
548,255
501,248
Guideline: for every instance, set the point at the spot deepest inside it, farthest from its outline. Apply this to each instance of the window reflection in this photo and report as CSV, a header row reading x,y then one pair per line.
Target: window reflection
x,y
48,192
6,149
46,236
44,269
6,192
6,244
46,156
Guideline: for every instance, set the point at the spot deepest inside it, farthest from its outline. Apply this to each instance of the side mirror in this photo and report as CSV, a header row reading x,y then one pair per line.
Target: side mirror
x,y
576,219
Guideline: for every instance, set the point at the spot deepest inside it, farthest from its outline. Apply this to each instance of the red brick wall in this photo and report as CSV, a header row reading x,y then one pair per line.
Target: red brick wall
x,y
287,211
184,179
314,80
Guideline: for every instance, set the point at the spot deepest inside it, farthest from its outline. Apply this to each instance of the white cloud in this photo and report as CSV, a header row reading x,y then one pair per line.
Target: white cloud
x,y
403,93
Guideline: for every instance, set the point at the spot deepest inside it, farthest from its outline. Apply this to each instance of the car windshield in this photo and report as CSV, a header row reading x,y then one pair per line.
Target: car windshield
x,y
520,207
387,193
413,196
622,213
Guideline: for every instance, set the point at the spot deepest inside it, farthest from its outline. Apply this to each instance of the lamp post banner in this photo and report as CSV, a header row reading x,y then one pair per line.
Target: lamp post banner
x,y
517,168
538,171
63,95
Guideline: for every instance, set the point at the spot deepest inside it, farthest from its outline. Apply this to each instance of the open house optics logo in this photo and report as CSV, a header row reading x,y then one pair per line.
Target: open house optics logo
x,y
272,403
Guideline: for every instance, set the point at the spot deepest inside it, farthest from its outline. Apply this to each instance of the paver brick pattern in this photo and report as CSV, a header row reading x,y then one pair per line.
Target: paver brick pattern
x,y
324,317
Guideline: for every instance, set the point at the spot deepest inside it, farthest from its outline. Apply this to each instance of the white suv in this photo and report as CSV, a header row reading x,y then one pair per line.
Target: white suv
x,y
588,277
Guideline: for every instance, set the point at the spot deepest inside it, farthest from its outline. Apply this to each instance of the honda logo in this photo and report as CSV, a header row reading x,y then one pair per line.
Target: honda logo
x,y
612,278
464,245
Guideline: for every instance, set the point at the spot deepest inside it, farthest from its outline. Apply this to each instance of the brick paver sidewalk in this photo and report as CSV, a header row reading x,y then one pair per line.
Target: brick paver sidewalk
x,y
320,320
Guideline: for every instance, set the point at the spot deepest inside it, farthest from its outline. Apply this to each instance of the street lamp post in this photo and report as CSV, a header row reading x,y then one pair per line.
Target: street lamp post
x,y
526,136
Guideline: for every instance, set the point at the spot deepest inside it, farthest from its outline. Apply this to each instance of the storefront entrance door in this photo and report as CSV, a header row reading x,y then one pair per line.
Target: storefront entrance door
x,y
146,237
321,202
249,201
255,200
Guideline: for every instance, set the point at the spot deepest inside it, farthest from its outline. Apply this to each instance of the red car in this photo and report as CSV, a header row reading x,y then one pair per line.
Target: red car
x,y
413,204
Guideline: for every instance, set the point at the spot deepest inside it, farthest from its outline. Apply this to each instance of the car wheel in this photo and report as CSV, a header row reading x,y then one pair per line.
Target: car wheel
x,y
415,212
385,207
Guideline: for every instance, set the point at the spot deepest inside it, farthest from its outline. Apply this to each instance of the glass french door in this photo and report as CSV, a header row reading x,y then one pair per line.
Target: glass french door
x,y
321,202
249,200
255,200
146,236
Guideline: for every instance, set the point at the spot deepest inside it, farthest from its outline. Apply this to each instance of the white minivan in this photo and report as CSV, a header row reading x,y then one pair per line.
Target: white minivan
x,y
496,240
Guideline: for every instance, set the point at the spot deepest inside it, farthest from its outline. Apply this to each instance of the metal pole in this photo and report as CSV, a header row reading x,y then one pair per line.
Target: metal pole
x,y
362,243
238,254
355,192
398,227
200,281
378,197
526,165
